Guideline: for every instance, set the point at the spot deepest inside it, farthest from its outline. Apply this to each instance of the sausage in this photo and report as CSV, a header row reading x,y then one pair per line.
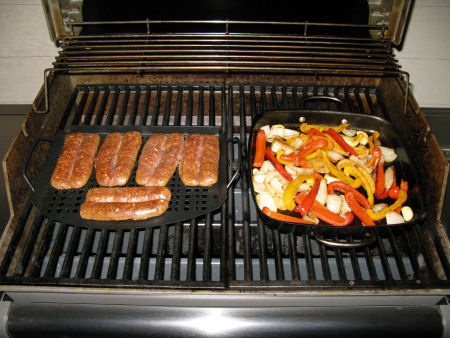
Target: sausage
x,y
128,194
199,164
159,159
116,158
118,211
115,204
74,165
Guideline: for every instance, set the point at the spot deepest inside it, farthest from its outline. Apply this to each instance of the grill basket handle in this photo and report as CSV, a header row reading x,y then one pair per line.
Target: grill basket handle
x,y
28,158
370,238
321,97
238,171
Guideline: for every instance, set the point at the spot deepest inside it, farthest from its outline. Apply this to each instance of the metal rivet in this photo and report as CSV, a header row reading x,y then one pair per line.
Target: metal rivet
x,y
302,119
344,121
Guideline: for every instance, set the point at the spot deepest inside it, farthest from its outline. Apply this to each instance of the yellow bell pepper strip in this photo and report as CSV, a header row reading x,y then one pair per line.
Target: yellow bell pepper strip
x,y
338,138
291,190
348,170
260,147
373,140
362,169
311,156
278,166
304,207
339,174
358,210
362,152
376,216
309,148
305,127
285,218
281,159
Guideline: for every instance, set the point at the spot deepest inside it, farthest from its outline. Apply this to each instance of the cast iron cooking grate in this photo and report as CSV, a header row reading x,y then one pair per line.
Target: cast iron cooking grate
x,y
226,249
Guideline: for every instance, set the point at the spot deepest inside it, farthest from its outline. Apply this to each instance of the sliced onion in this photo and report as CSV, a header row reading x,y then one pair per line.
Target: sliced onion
x,y
288,133
349,132
266,130
303,187
388,177
344,206
266,200
267,166
277,185
279,144
378,207
334,156
330,178
277,130
259,187
322,193
296,171
394,218
334,203
388,153
362,139
279,202
351,141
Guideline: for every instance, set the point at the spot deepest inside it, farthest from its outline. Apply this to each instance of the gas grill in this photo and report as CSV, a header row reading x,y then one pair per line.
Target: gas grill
x,y
223,273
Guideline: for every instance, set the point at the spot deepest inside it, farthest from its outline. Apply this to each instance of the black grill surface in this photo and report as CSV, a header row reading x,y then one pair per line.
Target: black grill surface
x,y
226,249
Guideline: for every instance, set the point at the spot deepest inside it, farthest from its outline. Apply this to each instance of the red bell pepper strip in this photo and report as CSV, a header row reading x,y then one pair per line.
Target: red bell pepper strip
x,y
339,140
309,148
323,213
260,147
380,187
357,209
393,191
282,217
314,131
271,157
344,187
376,155
288,158
310,198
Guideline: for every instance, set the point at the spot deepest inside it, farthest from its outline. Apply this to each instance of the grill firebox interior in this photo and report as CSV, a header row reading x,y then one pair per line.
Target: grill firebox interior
x,y
226,249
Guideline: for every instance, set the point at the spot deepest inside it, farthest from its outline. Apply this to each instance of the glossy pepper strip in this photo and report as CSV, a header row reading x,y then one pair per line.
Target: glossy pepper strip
x,y
325,214
305,127
304,207
376,216
366,185
281,159
339,174
338,138
278,166
373,140
288,158
361,170
376,156
393,192
260,147
358,210
380,186
309,148
343,187
291,190
282,217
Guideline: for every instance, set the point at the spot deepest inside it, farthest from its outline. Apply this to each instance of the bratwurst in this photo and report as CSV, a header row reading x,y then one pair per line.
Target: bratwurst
x,y
116,204
199,164
116,158
74,165
159,159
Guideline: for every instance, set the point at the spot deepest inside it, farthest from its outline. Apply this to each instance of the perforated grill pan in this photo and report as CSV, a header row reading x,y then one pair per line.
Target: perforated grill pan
x,y
389,137
186,202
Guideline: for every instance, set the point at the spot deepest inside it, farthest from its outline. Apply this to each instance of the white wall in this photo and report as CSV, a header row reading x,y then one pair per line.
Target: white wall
x,y
26,50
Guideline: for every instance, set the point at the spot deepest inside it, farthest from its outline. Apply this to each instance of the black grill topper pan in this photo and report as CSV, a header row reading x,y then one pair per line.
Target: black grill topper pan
x,y
388,137
186,202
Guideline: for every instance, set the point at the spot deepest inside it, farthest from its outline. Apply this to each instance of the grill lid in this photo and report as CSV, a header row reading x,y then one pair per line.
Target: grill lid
x,y
64,17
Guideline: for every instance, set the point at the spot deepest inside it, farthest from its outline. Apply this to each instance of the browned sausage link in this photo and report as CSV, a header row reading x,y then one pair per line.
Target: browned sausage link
x,y
128,194
107,159
159,159
64,166
85,160
189,165
209,161
116,211
126,157
150,157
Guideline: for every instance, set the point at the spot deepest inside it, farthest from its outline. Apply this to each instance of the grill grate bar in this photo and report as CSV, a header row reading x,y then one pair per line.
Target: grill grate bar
x,y
100,254
131,252
112,108
56,251
355,264
340,263
440,252
132,118
90,111
101,111
123,109
29,244
85,253
145,106
116,251
308,257
324,262
80,108
295,271
146,251
424,253
397,256
370,265
156,107
207,250
44,244
192,253
383,258
161,253
279,273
